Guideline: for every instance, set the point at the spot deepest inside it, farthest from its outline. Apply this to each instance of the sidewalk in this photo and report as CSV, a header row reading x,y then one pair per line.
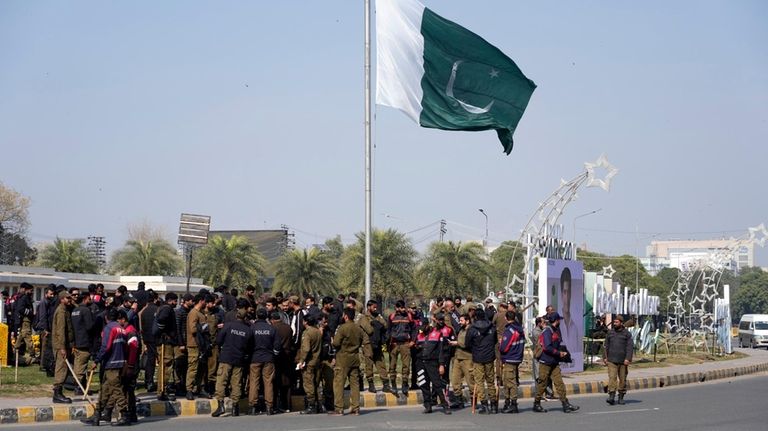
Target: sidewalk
x,y
29,410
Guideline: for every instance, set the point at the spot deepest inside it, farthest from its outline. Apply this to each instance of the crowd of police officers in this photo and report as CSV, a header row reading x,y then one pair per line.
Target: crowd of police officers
x,y
266,349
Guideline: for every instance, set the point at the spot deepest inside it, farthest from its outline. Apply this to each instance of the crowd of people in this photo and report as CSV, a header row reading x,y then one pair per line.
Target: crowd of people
x,y
217,344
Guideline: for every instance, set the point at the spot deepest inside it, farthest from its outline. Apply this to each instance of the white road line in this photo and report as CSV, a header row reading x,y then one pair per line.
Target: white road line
x,y
326,429
622,411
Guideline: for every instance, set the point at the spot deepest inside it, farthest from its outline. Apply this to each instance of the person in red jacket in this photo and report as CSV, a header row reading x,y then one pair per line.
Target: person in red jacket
x,y
130,369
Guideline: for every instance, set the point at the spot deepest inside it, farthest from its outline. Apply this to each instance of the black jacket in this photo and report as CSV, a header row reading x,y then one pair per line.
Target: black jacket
x,y
83,324
266,343
181,325
618,346
235,340
165,326
147,319
142,296
23,309
481,341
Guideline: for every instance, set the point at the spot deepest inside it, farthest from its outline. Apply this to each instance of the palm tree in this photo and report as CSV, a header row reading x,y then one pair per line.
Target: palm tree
x,y
307,271
233,261
454,268
393,260
68,256
146,257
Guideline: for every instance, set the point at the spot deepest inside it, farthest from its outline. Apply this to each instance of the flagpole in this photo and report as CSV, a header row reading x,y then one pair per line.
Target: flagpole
x,y
367,68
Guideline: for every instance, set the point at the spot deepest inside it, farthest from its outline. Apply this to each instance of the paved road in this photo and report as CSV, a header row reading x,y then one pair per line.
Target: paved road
x,y
734,404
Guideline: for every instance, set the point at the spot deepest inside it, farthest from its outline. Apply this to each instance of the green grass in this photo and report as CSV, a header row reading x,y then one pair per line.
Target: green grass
x,y
31,382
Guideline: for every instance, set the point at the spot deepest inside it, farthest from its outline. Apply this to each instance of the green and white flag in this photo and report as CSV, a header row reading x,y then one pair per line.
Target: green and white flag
x,y
444,76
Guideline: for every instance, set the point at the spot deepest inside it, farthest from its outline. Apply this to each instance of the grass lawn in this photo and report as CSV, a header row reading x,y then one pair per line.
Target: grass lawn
x,y
31,383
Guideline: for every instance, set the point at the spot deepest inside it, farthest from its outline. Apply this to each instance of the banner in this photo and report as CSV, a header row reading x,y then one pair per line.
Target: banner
x,y
561,285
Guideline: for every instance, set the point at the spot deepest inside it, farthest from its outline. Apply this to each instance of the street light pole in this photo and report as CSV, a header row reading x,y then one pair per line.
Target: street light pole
x,y
485,248
574,227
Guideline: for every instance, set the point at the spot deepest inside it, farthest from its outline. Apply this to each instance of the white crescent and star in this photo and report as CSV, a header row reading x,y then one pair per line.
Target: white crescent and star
x,y
467,107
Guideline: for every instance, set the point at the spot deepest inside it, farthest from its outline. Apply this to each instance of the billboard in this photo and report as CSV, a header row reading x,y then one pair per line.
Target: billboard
x,y
561,285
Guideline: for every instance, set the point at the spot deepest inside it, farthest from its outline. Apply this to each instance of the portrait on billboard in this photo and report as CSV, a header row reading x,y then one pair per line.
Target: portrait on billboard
x,y
565,292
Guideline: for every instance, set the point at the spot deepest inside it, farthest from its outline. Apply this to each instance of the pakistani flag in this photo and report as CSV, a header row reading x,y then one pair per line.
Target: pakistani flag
x,y
444,76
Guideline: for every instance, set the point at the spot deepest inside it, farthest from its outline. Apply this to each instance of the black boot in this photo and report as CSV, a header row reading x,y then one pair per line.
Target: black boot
x,y
310,410
495,407
513,407
568,407
446,409
405,389
427,408
151,387
123,421
219,409
236,409
483,409
611,398
58,396
505,409
388,388
538,408
106,415
253,411
93,419
371,387
190,395
621,398
269,411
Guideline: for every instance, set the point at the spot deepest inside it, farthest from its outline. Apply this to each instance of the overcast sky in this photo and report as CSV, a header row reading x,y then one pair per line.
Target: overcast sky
x,y
252,112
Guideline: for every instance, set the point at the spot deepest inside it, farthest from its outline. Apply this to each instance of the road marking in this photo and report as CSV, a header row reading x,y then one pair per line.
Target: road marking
x,y
326,429
623,411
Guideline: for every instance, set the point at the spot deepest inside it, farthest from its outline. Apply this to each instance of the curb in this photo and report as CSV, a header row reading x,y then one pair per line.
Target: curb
x,y
59,413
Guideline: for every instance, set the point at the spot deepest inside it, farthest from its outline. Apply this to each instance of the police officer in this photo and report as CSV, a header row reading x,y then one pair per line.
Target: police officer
x,y
308,359
196,323
82,325
234,340
347,341
617,357
214,316
23,316
401,333
167,336
462,369
431,348
327,362
511,348
549,364
481,341
375,330
283,366
148,341
266,344
63,338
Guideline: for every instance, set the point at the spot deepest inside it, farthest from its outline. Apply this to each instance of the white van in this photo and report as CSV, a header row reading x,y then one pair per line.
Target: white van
x,y
753,330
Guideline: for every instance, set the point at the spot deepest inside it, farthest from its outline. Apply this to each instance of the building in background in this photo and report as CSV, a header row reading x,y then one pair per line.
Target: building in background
x,y
680,254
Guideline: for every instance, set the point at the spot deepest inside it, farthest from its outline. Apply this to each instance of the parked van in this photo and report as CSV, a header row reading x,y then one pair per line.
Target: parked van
x,y
753,330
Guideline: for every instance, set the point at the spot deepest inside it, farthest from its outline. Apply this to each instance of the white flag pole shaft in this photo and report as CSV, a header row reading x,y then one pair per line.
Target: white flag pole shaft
x,y
367,68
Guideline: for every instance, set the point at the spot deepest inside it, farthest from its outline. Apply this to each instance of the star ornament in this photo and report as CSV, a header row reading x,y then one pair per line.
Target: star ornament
x,y
601,162
759,234
608,271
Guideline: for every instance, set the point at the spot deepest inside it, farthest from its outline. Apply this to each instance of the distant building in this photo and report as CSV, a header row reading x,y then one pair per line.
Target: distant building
x,y
681,254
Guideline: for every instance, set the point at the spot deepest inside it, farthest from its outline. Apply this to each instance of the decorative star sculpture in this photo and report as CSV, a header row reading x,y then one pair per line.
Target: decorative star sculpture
x,y
762,231
604,183
608,271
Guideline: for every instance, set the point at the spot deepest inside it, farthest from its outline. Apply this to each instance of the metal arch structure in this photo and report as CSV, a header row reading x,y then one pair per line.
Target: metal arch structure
x,y
542,227
692,306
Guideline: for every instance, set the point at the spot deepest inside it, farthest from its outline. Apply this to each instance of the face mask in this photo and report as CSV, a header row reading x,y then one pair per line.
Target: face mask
x,y
374,313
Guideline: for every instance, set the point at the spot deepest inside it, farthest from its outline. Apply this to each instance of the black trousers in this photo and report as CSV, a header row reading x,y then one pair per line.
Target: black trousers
x,y
431,384
150,356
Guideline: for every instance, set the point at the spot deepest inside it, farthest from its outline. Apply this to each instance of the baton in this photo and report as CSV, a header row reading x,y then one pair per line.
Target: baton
x,y
474,398
85,393
161,377
88,385
16,356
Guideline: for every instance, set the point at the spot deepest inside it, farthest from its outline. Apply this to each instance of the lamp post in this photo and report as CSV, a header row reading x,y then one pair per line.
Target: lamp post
x,y
485,248
574,227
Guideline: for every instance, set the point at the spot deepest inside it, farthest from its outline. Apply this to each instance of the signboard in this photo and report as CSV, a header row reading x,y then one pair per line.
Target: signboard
x,y
561,285
193,229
